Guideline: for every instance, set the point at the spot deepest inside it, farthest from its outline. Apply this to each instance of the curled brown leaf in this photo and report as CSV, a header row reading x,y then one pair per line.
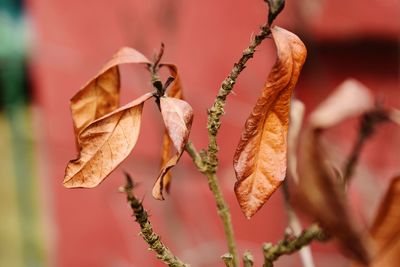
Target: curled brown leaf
x,y
101,94
105,143
177,115
260,158
175,91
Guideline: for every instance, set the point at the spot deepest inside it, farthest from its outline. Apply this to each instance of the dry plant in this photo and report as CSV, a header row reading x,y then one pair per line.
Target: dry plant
x,y
106,134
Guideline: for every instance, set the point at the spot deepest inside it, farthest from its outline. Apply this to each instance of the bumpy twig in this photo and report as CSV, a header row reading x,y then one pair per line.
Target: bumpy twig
x,y
248,260
214,116
217,110
146,229
289,246
228,260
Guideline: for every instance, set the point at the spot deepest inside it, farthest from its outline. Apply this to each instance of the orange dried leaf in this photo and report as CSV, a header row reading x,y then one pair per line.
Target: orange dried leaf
x,y
260,158
105,143
175,91
101,94
177,115
385,230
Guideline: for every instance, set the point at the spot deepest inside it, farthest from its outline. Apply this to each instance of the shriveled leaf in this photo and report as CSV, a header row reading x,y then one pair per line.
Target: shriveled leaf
x,y
160,184
175,91
105,143
101,94
177,115
322,196
260,158
321,190
350,99
296,120
385,230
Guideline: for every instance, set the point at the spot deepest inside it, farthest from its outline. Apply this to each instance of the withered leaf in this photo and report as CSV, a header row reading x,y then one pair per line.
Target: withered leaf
x,y
351,98
101,94
260,158
177,115
175,91
322,197
385,230
321,191
105,143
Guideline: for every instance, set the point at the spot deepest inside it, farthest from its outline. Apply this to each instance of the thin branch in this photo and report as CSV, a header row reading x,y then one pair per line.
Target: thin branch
x,y
211,160
197,158
146,229
248,259
369,122
289,246
217,110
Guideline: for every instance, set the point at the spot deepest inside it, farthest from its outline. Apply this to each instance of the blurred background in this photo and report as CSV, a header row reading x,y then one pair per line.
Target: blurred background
x,y
49,49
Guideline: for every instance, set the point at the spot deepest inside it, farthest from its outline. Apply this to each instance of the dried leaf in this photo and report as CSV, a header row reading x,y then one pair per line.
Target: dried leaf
x,y
322,196
105,143
321,191
296,120
177,115
385,230
395,116
350,99
101,94
260,158
175,91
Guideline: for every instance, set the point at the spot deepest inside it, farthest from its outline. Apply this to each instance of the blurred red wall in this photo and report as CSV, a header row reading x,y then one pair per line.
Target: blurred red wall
x,y
72,39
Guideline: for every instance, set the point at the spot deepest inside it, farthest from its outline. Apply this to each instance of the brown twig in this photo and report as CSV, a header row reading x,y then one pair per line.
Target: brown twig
x,y
289,246
146,229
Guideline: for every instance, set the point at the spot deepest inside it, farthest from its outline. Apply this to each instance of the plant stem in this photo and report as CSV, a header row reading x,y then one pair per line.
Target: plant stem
x,y
368,124
217,110
285,247
209,164
222,207
146,229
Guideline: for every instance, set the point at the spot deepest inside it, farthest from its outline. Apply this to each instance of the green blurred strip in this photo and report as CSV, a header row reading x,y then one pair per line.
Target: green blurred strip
x,y
22,234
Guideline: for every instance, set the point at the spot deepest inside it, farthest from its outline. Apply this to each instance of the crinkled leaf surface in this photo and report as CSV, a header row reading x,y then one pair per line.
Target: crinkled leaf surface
x,y
105,143
177,115
175,91
260,158
101,94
